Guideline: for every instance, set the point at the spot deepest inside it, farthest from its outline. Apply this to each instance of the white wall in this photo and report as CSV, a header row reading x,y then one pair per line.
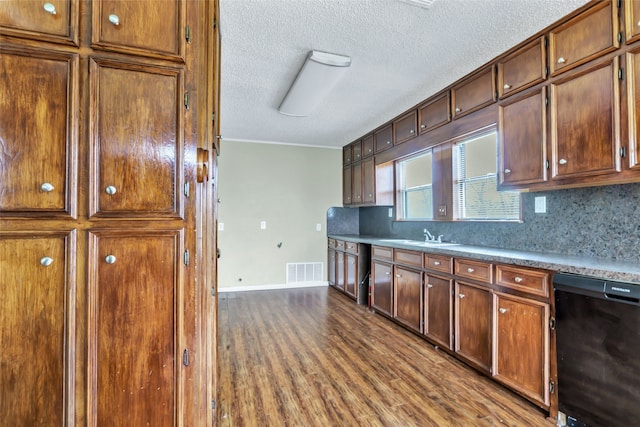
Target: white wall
x,y
289,187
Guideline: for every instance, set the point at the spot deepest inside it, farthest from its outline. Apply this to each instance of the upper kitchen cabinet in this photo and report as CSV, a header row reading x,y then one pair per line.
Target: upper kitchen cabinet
x,y
591,34
523,143
52,21
473,93
585,122
383,139
356,151
404,128
522,69
347,155
136,173
38,164
435,112
367,146
140,27
632,20
346,186
633,113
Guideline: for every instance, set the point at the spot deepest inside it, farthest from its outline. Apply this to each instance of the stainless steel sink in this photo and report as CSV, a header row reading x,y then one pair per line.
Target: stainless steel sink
x,y
419,243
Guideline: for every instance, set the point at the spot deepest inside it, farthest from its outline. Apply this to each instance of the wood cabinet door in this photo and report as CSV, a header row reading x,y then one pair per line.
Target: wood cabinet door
x,y
407,297
346,186
331,267
585,122
473,93
632,21
351,274
633,106
140,27
38,166
347,155
367,146
356,149
435,112
136,140
442,194
356,183
383,139
522,69
382,289
37,334
368,181
521,345
523,139
473,324
405,127
51,21
137,318
340,270
438,310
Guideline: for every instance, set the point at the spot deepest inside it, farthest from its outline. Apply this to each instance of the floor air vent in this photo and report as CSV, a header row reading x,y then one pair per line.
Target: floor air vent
x,y
298,272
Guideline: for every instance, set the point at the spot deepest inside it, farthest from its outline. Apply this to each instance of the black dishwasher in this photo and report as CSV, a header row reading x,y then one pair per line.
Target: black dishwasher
x,y
598,343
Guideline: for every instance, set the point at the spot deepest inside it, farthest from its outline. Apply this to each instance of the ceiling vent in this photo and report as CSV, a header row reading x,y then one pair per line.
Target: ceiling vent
x,y
425,4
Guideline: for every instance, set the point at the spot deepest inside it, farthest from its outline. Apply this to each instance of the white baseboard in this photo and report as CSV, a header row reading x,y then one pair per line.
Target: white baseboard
x,y
224,289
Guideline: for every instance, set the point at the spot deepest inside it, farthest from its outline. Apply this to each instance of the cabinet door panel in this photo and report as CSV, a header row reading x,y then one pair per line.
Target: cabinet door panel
x,y
521,357
383,139
368,181
331,261
346,186
438,317
36,311
473,324
522,69
633,105
56,21
585,123
405,127
382,292
137,141
340,270
39,142
356,183
522,128
134,328
367,146
474,93
407,299
356,151
434,113
143,27
632,18
351,274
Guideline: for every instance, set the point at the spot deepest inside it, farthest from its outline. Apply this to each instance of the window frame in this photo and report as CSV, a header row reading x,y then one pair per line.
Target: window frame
x,y
401,192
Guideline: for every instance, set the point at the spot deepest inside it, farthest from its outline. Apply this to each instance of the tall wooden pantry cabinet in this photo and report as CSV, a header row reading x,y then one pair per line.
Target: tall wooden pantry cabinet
x,y
108,151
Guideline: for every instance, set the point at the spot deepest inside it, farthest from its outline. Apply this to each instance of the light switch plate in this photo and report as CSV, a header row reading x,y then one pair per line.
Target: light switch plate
x,y
318,227
390,212
540,204
221,226
263,225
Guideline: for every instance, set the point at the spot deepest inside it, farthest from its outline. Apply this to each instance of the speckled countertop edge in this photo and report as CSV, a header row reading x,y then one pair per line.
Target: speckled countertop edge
x,y
624,271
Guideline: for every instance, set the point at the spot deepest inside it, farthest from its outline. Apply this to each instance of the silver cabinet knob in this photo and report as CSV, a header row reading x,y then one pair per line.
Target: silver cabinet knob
x,y
507,171
561,60
562,161
46,261
114,19
507,87
503,310
387,273
429,285
461,296
470,270
388,142
458,109
423,126
370,195
110,190
370,150
638,24
50,8
110,259
412,131
47,187
517,279
436,263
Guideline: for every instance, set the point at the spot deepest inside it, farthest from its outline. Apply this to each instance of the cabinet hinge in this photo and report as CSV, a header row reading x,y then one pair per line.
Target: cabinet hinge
x,y
213,291
552,323
496,94
547,71
621,74
214,23
547,164
213,404
185,357
619,2
186,100
546,100
213,117
552,387
546,44
187,34
623,152
185,257
620,37
186,189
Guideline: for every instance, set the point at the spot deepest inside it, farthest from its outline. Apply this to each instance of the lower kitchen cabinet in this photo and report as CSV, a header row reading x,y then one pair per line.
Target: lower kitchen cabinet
x,y
521,347
340,270
347,267
331,266
438,310
382,288
407,301
473,324
351,270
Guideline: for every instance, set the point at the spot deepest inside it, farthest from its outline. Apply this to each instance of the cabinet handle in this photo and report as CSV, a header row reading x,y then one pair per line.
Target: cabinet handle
x,y
562,161
503,310
458,109
429,285
110,190
398,276
388,142
423,126
436,263
110,259
507,171
114,19
387,273
50,8
370,150
517,279
561,60
46,261
47,187
412,131
638,24
370,195
507,87
461,296
470,270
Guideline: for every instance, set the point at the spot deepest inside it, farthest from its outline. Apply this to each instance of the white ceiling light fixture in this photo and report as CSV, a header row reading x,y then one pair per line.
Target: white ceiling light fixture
x,y
425,4
317,77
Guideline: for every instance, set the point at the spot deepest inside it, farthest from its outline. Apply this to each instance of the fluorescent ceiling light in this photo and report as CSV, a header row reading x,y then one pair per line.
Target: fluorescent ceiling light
x,y
425,4
317,77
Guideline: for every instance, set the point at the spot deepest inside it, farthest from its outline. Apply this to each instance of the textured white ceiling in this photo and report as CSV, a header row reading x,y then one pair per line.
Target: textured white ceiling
x,y
401,54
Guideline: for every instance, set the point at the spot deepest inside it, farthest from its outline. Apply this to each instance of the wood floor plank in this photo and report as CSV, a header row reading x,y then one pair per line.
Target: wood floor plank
x,y
312,357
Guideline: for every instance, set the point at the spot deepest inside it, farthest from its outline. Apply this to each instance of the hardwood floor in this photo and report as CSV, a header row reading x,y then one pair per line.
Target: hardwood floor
x,y
312,357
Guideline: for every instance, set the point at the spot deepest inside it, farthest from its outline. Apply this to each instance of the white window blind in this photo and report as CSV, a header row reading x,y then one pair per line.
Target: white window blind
x,y
415,187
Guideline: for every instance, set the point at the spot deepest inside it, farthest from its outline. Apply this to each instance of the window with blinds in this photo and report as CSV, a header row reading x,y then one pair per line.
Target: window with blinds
x,y
415,182
475,182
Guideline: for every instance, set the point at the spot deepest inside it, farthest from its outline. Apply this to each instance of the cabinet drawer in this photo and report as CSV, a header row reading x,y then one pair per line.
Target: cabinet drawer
x,y
332,243
474,93
441,263
367,146
356,153
351,247
405,127
434,113
383,139
381,252
522,69
476,270
347,155
405,257
340,245
523,279
584,38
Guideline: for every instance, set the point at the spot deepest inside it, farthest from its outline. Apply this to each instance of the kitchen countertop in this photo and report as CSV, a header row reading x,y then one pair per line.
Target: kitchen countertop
x,y
618,270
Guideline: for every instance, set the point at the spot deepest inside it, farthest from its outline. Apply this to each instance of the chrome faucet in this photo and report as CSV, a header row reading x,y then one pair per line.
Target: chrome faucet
x,y
428,237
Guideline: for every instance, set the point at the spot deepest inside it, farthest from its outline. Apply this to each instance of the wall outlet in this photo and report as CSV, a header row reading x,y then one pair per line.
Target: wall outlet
x,y
263,225
318,227
390,212
221,226
540,204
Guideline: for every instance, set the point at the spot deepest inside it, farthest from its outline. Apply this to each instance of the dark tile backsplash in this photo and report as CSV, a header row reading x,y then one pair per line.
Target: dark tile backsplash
x,y
343,221
598,221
